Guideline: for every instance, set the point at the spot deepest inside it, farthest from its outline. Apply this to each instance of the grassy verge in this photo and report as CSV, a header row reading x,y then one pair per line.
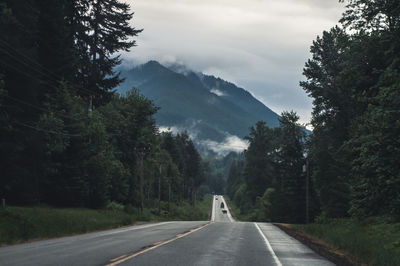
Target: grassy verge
x,y
180,212
21,224
375,241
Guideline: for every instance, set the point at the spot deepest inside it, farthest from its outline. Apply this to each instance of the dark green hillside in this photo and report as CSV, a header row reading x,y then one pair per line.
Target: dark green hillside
x,y
243,99
186,101
232,93
236,95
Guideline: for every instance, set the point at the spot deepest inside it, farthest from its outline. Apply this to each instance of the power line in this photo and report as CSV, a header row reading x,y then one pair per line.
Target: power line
x,y
47,131
15,68
41,81
49,73
56,81
32,61
26,64
40,108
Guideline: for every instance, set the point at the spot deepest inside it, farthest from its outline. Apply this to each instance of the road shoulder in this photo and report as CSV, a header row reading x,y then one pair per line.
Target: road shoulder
x,y
333,254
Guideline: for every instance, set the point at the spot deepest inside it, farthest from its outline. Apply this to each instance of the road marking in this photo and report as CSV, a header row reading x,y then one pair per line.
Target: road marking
x,y
138,227
213,210
156,245
277,261
120,257
227,208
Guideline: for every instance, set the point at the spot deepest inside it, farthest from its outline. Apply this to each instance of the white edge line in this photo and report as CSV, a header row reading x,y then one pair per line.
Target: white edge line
x,y
229,213
213,210
277,261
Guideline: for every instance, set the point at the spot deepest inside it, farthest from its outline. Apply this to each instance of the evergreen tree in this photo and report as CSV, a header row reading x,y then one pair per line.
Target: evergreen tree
x,y
130,124
235,177
374,142
103,29
372,15
291,184
260,157
331,119
353,79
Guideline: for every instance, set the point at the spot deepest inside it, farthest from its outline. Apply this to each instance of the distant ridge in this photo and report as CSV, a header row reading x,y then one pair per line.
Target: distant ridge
x,y
216,113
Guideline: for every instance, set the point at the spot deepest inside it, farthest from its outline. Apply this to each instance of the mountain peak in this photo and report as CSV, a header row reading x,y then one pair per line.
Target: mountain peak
x,y
153,63
216,113
154,66
180,68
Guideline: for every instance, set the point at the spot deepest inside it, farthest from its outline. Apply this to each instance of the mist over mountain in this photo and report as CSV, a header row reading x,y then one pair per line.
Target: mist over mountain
x,y
216,113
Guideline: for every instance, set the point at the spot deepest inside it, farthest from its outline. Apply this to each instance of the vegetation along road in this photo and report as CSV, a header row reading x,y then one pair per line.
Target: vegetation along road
x,y
221,241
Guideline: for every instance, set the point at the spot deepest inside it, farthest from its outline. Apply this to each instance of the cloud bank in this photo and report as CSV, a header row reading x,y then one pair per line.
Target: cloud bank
x,y
231,143
260,45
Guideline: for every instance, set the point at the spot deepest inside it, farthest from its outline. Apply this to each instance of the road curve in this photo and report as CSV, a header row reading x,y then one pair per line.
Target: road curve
x,y
219,242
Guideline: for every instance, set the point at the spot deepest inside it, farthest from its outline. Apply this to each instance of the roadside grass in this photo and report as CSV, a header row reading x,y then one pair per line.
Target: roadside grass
x,y
21,224
183,211
186,212
375,241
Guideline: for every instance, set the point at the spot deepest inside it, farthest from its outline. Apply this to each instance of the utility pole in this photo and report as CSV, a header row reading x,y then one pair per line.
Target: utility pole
x,y
141,182
307,191
141,150
169,195
159,192
90,105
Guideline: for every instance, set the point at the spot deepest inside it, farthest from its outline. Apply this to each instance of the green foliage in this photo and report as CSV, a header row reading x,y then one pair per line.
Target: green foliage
x,y
103,29
330,119
186,212
259,171
376,170
353,78
186,98
372,15
374,241
18,224
235,177
270,184
242,199
115,206
67,139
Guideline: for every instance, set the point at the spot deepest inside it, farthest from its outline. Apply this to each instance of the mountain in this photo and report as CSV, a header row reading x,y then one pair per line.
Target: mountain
x,y
216,113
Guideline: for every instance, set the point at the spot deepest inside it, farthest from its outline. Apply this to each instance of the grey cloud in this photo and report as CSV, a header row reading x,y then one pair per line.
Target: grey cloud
x,y
260,45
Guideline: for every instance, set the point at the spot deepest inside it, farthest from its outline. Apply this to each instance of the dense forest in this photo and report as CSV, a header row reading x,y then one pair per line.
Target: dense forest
x,y
352,155
269,184
67,139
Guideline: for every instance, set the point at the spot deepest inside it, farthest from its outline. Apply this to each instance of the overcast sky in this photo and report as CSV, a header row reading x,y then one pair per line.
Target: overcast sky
x,y
260,45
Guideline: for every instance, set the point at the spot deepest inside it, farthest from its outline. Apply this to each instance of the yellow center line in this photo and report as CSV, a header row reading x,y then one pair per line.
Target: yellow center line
x,y
156,245
120,257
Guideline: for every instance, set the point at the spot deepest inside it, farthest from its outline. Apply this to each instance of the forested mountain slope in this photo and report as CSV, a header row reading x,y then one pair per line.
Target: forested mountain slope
x,y
209,108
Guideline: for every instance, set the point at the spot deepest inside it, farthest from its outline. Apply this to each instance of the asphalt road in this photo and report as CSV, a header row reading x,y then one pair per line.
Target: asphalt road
x,y
219,242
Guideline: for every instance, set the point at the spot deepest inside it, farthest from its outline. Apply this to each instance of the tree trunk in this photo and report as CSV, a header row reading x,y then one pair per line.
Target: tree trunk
x,y
159,192
169,196
141,184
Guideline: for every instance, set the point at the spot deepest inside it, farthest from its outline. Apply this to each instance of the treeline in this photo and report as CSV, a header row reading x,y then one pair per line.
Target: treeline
x,y
354,149
354,79
269,184
66,139
217,170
